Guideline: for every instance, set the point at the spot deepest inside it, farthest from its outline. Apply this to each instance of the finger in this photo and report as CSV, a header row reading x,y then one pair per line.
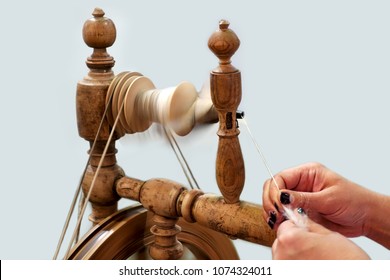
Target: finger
x,y
286,180
290,237
296,199
311,202
276,184
302,178
274,250
272,207
287,227
267,203
289,241
270,211
296,209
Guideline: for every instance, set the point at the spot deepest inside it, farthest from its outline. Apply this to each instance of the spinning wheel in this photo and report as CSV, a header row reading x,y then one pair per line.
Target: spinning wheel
x,y
170,221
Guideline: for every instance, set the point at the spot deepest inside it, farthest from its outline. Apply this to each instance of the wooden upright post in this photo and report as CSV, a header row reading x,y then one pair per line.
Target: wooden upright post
x,y
99,33
225,84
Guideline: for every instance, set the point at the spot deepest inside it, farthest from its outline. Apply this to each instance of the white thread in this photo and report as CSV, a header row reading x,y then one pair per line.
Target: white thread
x,y
159,102
299,219
181,158
163,104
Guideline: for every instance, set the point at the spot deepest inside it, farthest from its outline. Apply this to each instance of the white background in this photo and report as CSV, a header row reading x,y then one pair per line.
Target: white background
x,y
315,88
321,270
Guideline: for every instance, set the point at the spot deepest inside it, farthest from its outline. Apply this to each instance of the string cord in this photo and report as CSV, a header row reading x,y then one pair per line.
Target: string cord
x,y
81,203
181,158
161,100
298,217
260,152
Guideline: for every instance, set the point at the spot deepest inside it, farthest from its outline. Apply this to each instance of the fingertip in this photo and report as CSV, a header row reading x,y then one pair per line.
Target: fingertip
x,y
285,198
271,204
284,227
271,223
295,199
266,183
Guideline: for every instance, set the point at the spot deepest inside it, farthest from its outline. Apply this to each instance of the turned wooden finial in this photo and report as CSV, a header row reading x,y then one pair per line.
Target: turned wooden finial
x,y
225,85
99,33
224,43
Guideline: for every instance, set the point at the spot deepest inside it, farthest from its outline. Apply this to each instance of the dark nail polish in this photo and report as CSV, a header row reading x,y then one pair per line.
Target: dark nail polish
x,y
272,216
285,198
276,207
271,223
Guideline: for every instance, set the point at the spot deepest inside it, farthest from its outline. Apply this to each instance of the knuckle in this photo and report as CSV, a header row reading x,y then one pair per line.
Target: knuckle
x,y
303,201
316,165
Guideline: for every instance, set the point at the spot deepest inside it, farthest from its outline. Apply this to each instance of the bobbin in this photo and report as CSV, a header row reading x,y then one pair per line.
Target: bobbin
x,y
179,107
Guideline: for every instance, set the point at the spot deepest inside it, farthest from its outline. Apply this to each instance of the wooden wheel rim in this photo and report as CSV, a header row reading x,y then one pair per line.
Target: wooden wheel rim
x,y
127,232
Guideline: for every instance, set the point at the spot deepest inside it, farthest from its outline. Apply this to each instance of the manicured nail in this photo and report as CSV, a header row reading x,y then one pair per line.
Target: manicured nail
x,y
276,207
272,216
285,198
271,223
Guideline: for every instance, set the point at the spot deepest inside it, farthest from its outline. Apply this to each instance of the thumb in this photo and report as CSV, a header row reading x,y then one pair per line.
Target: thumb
x,y
304,200
287,226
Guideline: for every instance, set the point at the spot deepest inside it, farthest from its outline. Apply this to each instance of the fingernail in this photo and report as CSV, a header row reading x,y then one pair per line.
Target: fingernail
x,y
276,207
272,216
285,198
271,223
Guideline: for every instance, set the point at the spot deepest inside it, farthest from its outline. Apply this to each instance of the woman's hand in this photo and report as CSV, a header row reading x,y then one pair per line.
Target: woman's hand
x,y
314,242
328,199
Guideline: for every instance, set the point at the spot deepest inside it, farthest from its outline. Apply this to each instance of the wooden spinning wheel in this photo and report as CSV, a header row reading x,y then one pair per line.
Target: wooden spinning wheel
x,y
170,221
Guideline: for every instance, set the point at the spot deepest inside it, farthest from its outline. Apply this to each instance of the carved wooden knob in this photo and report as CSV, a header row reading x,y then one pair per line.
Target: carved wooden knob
x,y
224,43
99,32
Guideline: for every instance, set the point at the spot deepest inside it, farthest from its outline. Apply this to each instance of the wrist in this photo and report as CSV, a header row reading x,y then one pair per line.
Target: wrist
x,y
377,223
